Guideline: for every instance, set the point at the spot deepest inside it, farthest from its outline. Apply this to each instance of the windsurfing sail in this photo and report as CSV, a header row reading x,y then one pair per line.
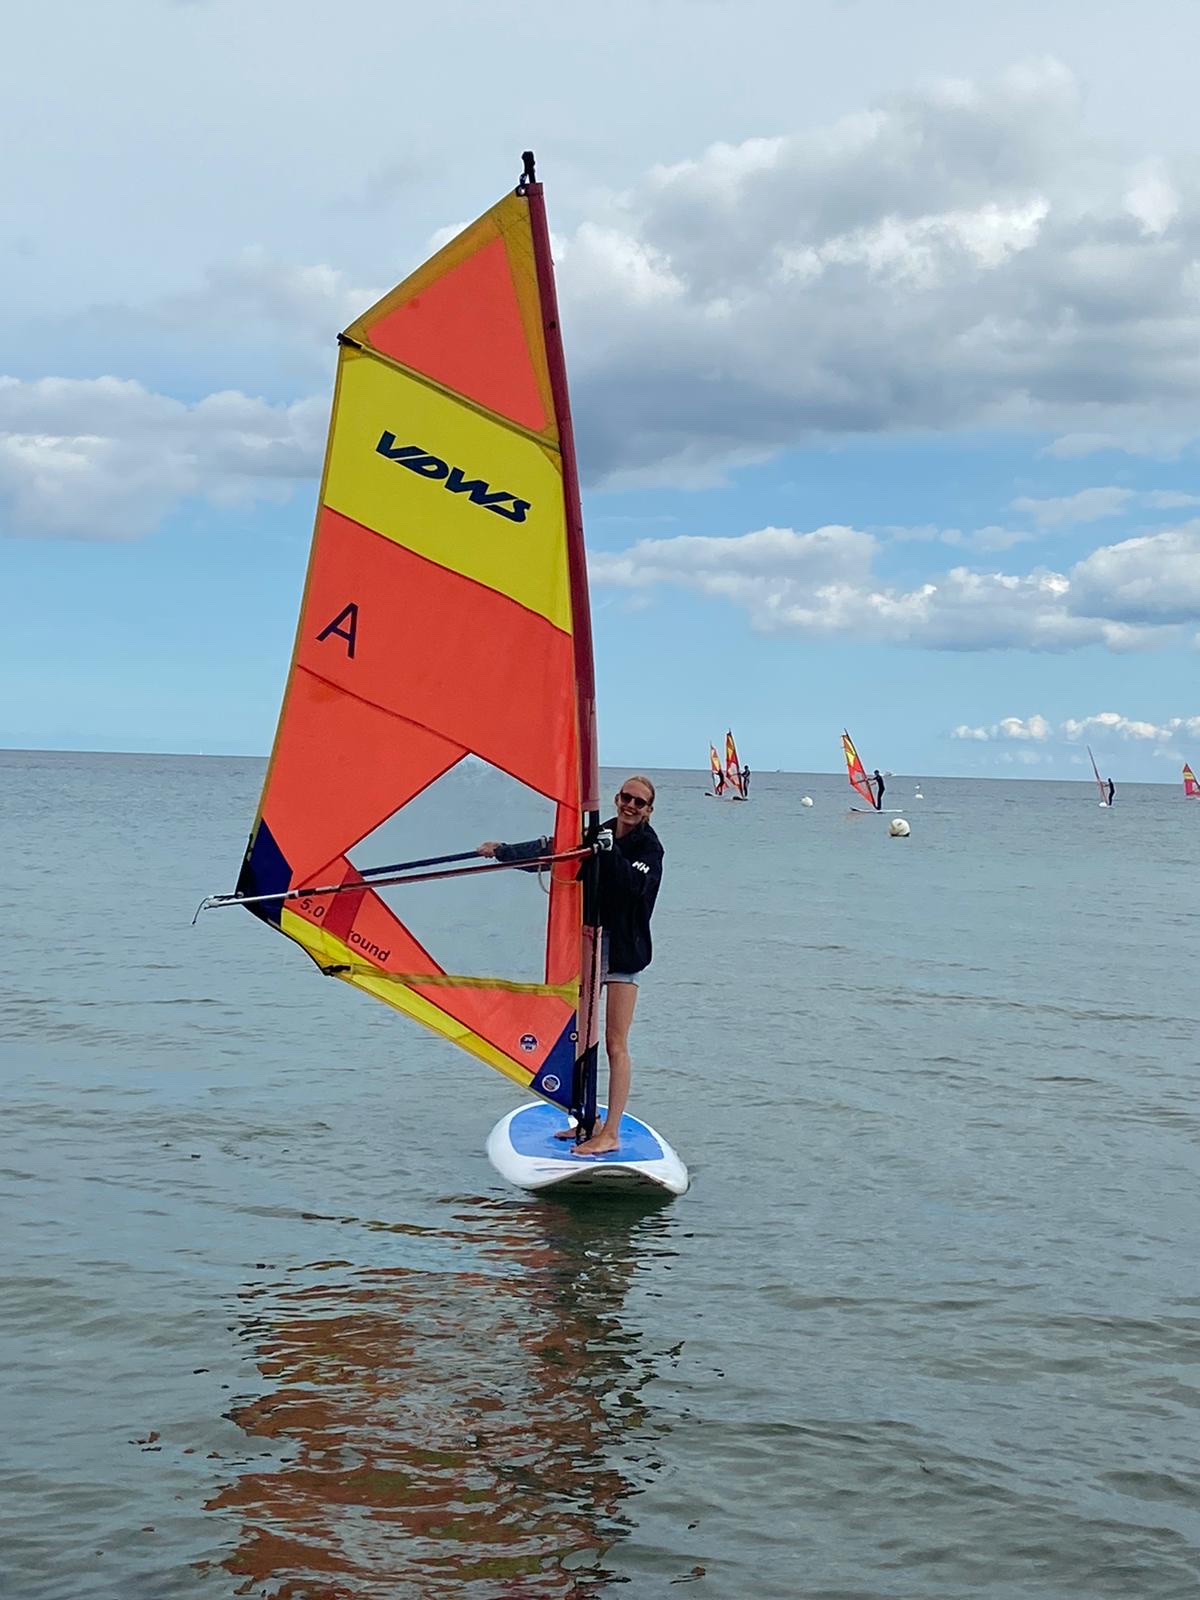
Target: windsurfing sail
x,y
1191,788
733,767
1100,784
854,771
445,639
718,776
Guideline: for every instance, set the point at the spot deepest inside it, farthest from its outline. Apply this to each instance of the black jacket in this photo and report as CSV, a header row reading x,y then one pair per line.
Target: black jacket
x,y
630,874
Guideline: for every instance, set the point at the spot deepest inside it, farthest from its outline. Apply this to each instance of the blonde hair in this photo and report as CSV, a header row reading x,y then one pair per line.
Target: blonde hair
x,y
636,777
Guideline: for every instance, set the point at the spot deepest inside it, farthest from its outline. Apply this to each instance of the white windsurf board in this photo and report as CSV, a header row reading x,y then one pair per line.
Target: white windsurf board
x,y
523,1149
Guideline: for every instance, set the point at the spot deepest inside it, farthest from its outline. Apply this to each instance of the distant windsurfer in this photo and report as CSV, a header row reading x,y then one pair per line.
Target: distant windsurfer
x,y
630,875
1112,789
745,783
880,786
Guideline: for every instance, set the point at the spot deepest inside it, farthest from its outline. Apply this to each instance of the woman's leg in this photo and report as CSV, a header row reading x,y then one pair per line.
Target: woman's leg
x,y
622,998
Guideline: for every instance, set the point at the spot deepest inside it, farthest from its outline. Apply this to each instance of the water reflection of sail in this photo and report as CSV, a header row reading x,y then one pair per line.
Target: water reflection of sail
x,y
472,1425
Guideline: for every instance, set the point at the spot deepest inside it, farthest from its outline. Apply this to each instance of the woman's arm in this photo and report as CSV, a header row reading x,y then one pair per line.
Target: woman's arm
x,y
528,850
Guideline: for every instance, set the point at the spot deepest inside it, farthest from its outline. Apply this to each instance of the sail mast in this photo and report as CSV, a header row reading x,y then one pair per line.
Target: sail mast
x,y
581,613
583,1096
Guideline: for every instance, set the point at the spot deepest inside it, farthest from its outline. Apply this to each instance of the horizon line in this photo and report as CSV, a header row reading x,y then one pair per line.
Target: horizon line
x,y
782,772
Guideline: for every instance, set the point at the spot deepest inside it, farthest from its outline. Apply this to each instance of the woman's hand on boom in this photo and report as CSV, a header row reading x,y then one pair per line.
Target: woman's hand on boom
x,y
488,847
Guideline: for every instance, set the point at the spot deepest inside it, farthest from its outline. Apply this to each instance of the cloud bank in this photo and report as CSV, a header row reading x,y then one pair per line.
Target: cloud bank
x,y
1102,725
960,257
1128,596
105,458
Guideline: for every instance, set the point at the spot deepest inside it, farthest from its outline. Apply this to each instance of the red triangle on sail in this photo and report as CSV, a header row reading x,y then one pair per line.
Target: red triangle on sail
x,y
342,770
464,330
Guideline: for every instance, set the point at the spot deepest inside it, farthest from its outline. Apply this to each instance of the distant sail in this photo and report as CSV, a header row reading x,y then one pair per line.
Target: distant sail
x,y
718,777
433,640
1190,787
854,771
1100,784
733,767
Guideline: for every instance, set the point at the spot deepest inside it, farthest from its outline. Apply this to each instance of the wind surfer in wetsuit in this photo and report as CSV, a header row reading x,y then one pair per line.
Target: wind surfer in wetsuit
x,y
1112,789
630,874
746,782
879,788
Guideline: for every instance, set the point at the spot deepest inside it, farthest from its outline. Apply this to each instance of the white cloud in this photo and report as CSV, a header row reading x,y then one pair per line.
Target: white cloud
x,y
988,541
1089,505
1168,499
1157,442
1153,200
1151,580
992,539
1034,728
758,571
822,584
105,458
309,303
605,262
1112,723
1101,728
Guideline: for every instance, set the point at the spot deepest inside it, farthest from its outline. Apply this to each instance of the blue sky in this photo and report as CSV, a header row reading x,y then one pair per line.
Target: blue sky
x,y
883,332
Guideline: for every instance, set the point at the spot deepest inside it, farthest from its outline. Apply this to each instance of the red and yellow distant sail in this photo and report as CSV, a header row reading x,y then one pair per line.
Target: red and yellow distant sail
x,y
445,616
854,771
733,767
718,776
1190,787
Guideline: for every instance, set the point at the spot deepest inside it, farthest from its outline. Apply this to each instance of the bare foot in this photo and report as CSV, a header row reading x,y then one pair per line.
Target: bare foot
x,y
566,1133
600,1144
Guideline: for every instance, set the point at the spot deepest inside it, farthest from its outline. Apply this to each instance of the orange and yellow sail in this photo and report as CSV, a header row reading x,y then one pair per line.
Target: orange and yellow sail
x,y
718,775
733,767
444,617
854,770
1190,787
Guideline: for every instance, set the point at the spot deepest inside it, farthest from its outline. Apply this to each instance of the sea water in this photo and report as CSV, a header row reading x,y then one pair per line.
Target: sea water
x,y
927,1323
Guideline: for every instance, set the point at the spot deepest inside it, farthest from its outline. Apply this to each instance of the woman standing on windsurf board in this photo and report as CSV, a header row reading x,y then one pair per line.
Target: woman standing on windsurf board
x,y
630,874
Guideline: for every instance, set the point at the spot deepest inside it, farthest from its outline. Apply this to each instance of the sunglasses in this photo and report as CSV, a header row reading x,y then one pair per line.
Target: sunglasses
x,y
636,800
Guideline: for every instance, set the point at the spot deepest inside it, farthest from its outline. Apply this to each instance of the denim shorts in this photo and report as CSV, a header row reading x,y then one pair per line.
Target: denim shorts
x,y
607,975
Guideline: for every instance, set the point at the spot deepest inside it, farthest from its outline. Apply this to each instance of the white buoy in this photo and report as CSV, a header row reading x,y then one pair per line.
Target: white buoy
x,y
807,801
898,828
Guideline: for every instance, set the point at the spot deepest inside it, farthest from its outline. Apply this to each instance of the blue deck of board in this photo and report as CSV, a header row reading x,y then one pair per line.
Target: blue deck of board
x,y
532,1131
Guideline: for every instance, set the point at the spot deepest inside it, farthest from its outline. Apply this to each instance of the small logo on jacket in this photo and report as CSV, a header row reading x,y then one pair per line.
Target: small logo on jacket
x,y
642,867
417,459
